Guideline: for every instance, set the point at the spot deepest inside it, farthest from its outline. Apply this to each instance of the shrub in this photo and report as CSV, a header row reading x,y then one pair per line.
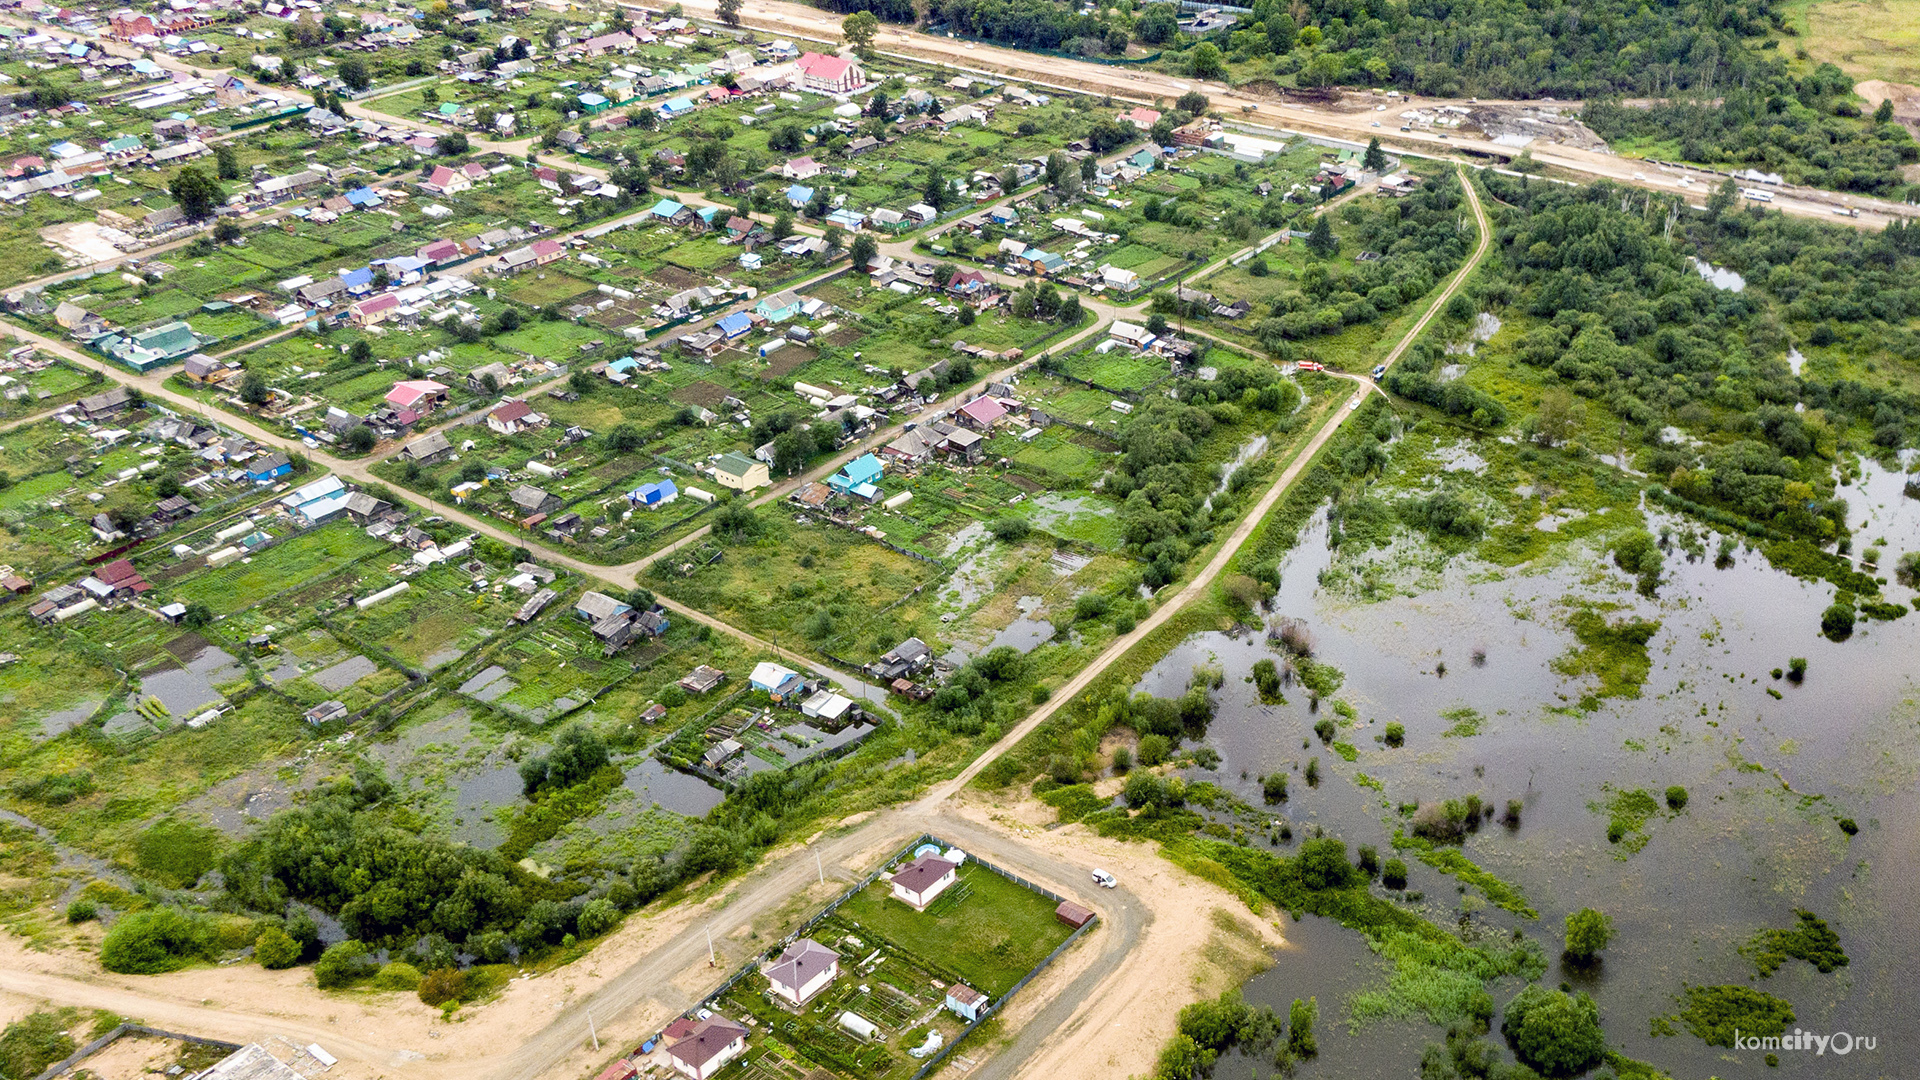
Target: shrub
x,y
275,949
1676,797
1324,728
1122,759
1369,860
176,853
1153,750
1313,772
1394,874
1010,529
442,986
1266,679
1396,734
1090,606
1848,826
343,965
82,910
1040,695
1837,622
1274,787
399,975
598,917
1323,864
1554,1032
1797,669
152,941
34,1042
1300,1020
1588,932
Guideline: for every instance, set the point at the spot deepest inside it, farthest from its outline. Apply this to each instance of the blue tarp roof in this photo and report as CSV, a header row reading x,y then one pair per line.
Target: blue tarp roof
x,y
735,324
797,193
362,276
363,196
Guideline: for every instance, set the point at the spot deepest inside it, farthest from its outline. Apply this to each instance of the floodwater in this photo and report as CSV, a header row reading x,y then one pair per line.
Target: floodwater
x,y
1249,450
1722,278
59,723
1767,778
189,688
672,789
345,673
476,796
1485,325
1023,634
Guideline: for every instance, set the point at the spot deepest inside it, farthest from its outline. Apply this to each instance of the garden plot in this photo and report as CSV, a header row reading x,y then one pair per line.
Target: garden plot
x,y
443,614
49,687
553,667
295,564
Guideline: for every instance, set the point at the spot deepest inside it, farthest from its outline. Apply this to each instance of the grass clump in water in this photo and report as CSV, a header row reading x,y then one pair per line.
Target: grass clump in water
x,y
1808,939
1463,723
1442,980
1714,1012
1627,813
1615,653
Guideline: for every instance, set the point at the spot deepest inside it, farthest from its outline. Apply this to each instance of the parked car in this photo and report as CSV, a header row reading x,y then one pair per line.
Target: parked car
x,y
1104,879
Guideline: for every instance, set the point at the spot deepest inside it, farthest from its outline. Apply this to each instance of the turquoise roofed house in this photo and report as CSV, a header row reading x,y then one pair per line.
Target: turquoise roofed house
x,y
125,144
676,107
798,196
667,209
149,349
594,103
1143,160
779,307
863,471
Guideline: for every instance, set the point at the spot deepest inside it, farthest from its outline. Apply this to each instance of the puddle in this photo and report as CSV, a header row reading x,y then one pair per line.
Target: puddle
x,y
1053,511
1485,325
1795,360
1457,458
345,673
1721,277
1024,634
489,684
672,790
443,656
125,723
1253,448
476,796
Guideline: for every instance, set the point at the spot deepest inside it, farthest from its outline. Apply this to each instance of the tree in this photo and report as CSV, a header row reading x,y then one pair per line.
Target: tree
x,y
353,72
1204,62
196,616
1300,1020
254,390
938,190
1375,159
864,249
227,232
1193,103
1089,169
782,225
859,29
197,193
1558,419
360,352
226,161
790,450
1588,931
1554,1032
1059,167
1321,240
1884,112
359,439
430,96
450,144
1158,26
624,439
729,11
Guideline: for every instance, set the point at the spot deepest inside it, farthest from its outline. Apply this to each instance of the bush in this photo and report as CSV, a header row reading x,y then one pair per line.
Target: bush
x,y
82,911
1588,932
1848,826
1010,530
275,949
1368,861
1837,622
1797,669
1274,787
1394,874
34,1042
1266,678
1324,728
442,986
1676,797
1153,749
1300,1020
1323,864
1396,734
400,976
598,917
155,940
1554,1032
1122,759
343,965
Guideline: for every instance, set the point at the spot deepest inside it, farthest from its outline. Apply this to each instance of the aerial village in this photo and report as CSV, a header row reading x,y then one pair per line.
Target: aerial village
x,y
613,456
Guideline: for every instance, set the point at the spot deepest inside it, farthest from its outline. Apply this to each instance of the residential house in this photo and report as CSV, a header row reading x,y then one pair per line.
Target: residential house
x,y
595,607
501,375
374,310
427,449
707,1047
780,683
417,395
514,417
532,501
653,496
546,251
921,881
830,74
1119,279
740,472
804,969
1140,117
779,307
1132,335
264,469
702,679
446,181
921,213
859,477
324,291
908,658
982,413
800,168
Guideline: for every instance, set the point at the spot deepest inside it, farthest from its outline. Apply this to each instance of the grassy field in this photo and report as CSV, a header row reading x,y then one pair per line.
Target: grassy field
x,y
993,936
303,559
1869,39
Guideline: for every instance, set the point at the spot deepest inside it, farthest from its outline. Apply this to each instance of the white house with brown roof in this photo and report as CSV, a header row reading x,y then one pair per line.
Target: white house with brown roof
x,y
513,417
802,971
707,1047
921,881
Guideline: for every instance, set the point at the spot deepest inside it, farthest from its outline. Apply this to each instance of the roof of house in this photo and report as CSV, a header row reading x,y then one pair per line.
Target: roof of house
x,y
528,497
511,411
383,302
965,995
821,66
801,963
984,410
598,605
920,874
436,443
734,463
709,1038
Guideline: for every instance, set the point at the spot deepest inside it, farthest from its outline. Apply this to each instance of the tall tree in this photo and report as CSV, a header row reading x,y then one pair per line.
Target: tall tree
x,y
1375,158
1321,240
729,11
197,193
226,161
859,29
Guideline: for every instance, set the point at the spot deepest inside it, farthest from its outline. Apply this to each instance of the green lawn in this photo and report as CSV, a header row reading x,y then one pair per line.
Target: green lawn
x,y
992,937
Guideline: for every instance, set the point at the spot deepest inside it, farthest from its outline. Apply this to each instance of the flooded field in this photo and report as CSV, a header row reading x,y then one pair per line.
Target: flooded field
x,y
1464,656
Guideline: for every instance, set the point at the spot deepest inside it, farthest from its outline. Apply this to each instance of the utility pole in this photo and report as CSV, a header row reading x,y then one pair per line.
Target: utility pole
x,y
595,1035
818,866
712,960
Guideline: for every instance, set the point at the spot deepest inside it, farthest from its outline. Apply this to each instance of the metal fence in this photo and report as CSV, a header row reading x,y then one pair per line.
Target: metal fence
x,y
60,1067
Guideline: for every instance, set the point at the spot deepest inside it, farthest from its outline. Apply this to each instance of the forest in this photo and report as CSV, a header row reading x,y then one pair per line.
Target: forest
x,y
1489,48
1620,317
1808,130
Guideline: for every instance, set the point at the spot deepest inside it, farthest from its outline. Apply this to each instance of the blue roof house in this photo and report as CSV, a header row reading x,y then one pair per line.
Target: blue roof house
x,y
653,495
676,107
358,282
666,209
594,103
798,196
1003,215
261,470
847,219
363,196
1143,160
863,470
735,324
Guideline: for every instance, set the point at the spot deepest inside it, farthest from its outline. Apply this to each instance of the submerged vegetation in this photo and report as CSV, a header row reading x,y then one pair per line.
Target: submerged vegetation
x,y
1808,939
